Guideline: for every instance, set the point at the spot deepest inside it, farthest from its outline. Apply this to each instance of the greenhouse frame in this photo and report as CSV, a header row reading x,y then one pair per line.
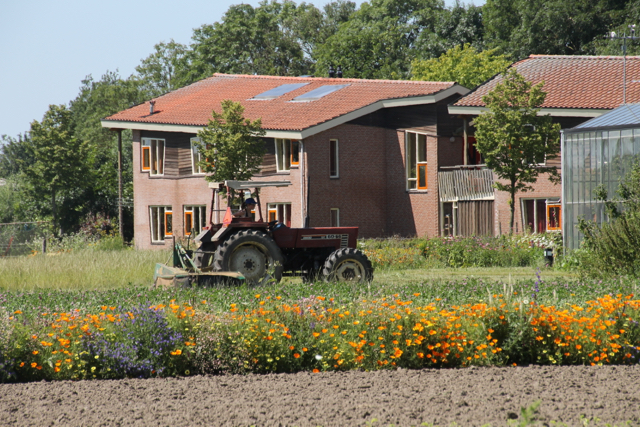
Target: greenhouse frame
x,y
598,152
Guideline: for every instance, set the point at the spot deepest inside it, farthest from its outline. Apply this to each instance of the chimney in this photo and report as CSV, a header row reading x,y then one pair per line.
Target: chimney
x,y
339,72
332,73
151,105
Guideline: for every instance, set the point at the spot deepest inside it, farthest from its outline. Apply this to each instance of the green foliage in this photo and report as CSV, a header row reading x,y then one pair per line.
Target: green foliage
x,y
59,160
457,252
263,40
614,247
231,147
379,40
165,69
464,65
457,25
556,27
514,140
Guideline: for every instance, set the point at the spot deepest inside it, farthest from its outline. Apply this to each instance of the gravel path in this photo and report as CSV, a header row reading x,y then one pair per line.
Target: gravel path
x,y
470,397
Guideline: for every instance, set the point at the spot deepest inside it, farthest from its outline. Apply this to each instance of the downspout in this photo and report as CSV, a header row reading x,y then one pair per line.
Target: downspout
x,y
562,204
465,138
302,181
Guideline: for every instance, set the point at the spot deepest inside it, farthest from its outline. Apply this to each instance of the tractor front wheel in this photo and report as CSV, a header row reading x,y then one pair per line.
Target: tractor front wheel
x,y
347,265
252,253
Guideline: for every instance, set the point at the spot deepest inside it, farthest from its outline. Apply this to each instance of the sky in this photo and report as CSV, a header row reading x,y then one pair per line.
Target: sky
x,y
48,47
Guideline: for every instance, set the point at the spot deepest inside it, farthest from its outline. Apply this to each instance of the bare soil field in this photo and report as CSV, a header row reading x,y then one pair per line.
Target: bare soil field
x,y
469,397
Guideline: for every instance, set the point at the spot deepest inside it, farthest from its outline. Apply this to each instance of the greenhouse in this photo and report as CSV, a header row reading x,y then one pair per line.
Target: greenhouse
x,y
597,152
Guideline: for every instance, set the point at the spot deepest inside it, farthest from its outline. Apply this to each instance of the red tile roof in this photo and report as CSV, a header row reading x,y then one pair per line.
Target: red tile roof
x,y
589,82
192,105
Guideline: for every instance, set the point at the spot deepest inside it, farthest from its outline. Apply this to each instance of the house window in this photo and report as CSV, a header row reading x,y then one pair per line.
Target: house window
x,y
280,212
161,221
196,169
416,153
153,156
541,215
334,221
195,219
333,158
554,217
295,152
283,154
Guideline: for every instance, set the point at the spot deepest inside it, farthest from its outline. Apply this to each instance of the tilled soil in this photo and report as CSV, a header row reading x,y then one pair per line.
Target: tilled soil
x,y
470,397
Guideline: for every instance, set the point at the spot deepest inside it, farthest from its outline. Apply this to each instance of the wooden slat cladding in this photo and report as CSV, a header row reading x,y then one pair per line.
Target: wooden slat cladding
x,y
177,152
475,218
420,118
465,184
269,162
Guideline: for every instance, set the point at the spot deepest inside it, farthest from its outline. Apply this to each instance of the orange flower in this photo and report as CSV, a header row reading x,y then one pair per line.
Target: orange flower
x,y
316,371
296,355
316,334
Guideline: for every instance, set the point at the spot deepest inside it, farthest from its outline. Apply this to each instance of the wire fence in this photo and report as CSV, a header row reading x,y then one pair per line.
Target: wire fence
x,y
22,238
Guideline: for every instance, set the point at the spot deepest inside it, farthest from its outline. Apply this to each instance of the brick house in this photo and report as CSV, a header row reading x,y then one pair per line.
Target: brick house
x,y
578,89
360,153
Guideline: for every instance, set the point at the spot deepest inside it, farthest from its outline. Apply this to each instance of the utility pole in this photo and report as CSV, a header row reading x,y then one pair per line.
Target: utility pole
x,y
624,38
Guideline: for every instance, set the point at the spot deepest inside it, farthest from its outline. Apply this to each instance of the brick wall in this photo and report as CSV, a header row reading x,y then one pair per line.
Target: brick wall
x,y
162,191
543,188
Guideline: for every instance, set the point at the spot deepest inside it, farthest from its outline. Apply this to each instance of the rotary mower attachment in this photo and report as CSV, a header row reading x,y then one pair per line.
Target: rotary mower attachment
x,y
184,273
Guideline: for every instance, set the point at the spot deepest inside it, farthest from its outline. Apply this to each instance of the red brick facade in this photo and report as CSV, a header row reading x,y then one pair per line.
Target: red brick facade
x,y
370,190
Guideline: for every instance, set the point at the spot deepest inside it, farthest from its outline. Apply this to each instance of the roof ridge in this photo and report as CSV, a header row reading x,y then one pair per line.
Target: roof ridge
x,y
337,79
584,57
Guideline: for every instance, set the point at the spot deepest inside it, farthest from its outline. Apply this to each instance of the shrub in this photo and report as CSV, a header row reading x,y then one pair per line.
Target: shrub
x,y
455,252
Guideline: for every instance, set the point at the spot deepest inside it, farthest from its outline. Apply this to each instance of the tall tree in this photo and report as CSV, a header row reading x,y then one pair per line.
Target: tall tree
x,y
457,25
513,139
250,40
59,160
166,69
96,100
464,65
231,147
557,27
379,39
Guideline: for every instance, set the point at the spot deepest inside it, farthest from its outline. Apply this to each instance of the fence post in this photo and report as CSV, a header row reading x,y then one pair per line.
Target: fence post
x,y
44,245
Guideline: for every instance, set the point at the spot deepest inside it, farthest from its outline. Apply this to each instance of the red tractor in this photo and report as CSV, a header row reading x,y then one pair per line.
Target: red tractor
x,y
259,250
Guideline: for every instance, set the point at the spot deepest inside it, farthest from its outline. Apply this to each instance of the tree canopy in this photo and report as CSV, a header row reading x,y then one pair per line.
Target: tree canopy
x,y
514,140
230,146
557,27
58,160
464,65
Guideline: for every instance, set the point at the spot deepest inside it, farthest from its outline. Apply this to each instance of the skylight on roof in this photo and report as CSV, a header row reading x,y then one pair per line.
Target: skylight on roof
x,y
277,91
318,93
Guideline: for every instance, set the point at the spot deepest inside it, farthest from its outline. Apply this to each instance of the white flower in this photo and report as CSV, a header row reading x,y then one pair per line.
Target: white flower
x,y
318,357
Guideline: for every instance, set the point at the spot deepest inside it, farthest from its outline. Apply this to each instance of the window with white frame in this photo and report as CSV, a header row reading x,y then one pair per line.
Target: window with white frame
x,y
161,222
334,220
416,159
195,219
280,212
283,154
196,168
334,165
153,155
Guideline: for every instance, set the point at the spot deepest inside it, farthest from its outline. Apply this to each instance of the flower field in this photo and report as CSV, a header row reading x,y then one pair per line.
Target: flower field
x,y
260,330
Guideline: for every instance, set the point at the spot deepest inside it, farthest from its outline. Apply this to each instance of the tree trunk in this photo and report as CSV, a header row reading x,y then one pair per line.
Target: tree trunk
x,y
54,213
512,202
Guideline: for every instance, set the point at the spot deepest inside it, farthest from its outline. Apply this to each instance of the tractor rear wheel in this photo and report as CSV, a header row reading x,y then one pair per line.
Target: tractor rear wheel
x,y
347,265
252,253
